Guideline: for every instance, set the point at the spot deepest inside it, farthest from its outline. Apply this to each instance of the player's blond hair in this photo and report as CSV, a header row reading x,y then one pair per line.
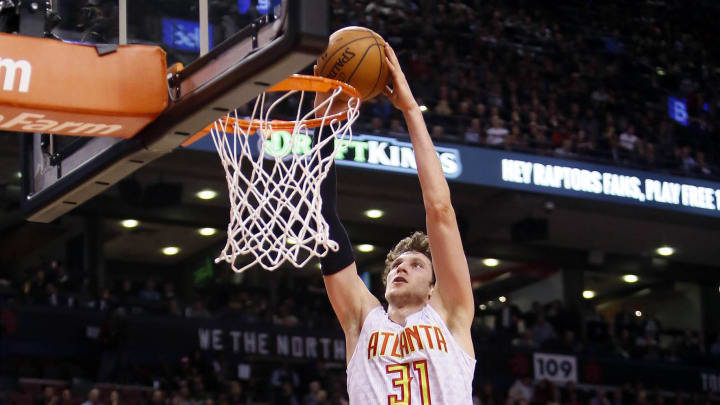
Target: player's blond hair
x,y
417,242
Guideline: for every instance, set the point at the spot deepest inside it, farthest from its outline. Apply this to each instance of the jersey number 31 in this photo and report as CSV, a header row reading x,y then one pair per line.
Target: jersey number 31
x,y
402,381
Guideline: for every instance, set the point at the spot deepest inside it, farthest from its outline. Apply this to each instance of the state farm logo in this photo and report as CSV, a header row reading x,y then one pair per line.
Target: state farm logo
x,y
11,70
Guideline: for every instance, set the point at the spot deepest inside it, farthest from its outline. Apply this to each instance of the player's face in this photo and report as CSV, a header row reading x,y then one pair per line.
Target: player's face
x,y
410,277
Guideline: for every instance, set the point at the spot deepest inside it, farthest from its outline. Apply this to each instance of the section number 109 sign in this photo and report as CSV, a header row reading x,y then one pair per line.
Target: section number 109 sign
x,y
555,367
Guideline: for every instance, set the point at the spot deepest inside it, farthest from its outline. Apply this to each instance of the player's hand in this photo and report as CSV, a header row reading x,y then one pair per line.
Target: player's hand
x,y
400,95
320,97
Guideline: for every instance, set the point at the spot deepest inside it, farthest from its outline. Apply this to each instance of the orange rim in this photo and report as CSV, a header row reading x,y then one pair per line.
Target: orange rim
x,y
294,82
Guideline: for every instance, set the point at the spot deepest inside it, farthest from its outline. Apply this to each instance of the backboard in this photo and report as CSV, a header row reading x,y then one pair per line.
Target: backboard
x,y
232,51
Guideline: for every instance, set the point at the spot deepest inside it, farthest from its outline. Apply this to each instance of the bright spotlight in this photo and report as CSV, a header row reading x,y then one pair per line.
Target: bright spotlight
x,y
365,248
665,251
490,262
588,294
374,214
206,194
129,223
170,250
207,231
630,278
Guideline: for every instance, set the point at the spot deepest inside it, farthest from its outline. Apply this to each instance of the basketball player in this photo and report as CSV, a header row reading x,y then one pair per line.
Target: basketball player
x,y
419,351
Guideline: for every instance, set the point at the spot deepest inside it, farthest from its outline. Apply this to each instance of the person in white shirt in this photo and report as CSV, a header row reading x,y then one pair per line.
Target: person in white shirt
x,y
628,139
496,134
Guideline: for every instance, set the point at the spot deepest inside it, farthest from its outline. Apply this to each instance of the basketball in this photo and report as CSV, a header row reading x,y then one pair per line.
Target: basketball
x,y
356,56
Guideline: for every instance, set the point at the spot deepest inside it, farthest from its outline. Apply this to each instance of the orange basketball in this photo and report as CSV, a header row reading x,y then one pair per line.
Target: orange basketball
x,y
356,56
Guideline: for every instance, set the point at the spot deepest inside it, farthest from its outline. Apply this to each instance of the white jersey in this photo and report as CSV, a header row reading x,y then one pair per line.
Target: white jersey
x,y
418,364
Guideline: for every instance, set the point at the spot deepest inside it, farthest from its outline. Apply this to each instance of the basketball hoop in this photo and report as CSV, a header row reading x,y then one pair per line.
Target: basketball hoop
x,y
275,202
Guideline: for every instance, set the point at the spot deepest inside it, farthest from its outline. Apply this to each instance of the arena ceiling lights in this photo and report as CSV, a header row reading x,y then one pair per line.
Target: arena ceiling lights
x,y
207,231
630,278
365,248
130,223
665,250
588,294
490,262
206,194
170,250
374,213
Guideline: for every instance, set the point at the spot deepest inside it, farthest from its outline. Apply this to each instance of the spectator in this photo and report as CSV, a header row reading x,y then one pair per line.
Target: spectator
x,y
623,345
542,331
149,293
438,132
378,126
691,346
506,318
617,398
48,397
53,295
488,396
520,392
526,340
566,149
106,302
569,344
115,398
311,397
35,288
516,140
496,134
688,164
715,348
93,397
183,398
66,397
286,396
168,291
600,398
628,142
702,167
174,308
472,133
624,319
197,310
641,397
321,398
651,324
283,317
237,394
62,279
126,295
396,129
157,398
282,374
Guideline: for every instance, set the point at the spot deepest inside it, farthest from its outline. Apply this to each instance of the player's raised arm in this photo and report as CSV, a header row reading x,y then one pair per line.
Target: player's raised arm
x,y
453,291
349,297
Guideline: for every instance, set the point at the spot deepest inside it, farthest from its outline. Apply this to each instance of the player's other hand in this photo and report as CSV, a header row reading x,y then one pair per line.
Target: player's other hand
x,y
400,95
320,97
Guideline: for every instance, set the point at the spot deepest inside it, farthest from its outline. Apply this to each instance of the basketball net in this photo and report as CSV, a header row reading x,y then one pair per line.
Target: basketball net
x,y
275,202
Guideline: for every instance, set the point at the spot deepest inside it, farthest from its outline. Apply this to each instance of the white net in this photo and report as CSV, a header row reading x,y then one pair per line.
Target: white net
x,y
274,187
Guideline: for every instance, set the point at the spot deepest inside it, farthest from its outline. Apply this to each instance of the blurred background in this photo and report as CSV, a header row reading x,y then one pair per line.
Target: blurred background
x,y
604,297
